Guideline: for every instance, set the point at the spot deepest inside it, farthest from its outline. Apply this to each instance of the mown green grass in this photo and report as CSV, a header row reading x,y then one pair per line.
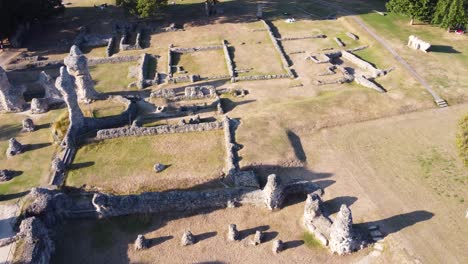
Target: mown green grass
x,y
112,77
310,241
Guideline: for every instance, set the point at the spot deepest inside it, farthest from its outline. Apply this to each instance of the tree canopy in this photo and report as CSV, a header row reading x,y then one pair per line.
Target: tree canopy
x,y
142,8
15,12
445,13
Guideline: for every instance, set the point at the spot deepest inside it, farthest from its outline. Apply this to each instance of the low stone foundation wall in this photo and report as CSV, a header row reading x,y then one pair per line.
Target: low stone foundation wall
x,y
262,77
281,52
361,63
361,80
169,61
116,59
164,129
229,63
195,49
306,37
142,69
232,165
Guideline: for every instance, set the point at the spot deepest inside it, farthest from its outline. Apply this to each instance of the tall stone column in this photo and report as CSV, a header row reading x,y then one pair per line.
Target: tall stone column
x,y
341,233
77,65
11,99
65,84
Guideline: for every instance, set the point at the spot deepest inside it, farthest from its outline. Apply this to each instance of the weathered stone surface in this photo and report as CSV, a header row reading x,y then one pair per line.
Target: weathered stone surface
x,y
361,80
339,42
65,84
362,64
277,246
77,66
352,36
233,233
341,233
258,238
141,243
39,105
58,165
5,175
315,220
46,81
37,246
187,239
278,48
28,125
158,167
14,147
11,98
418,44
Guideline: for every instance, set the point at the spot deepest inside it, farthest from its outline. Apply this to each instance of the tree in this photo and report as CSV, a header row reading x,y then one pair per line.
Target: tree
x,y
451,13
142,8
415,9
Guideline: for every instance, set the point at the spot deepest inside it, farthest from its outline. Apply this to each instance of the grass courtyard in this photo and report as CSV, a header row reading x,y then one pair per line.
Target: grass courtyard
x,y
125,165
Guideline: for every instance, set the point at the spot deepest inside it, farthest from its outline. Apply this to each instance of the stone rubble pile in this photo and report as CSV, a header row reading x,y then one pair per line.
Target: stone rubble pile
x,y
11,98
28,125
14,147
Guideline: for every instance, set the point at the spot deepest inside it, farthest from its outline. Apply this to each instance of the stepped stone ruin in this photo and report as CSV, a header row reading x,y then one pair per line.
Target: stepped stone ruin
x,y
77,66
258,238
233,234
14,147
418,44
187,239
141,243
28,125
342,240
65,85
11,98
314,219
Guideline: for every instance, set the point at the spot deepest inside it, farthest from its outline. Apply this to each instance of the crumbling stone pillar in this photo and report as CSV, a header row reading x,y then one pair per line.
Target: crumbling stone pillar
x,y
278,246
28,125
258,238
11,99
341,233
65,85
233,234
58,165
39,105
141,243
187,238
14,147
5,175
272,192
77,65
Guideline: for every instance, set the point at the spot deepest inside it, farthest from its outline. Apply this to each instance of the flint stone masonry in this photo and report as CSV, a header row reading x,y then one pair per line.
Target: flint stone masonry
x,y
196,49
358,48
352,36
232,164
342,239
315,221
142,69
418,44
39,105
262,77
362,80
277,246
77,66
233,233
319,58
113,60
11,98
306,37
339,42
58,165
187,239
5,175
47,82
281,52
141,243
14,148
28,125
169,61
229,63
164,129
362,64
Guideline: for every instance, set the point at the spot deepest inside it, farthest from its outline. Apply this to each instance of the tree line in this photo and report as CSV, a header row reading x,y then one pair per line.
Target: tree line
x,y
450,14
16,12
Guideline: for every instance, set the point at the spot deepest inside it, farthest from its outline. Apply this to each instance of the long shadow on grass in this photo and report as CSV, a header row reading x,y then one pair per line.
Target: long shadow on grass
x,y
6,197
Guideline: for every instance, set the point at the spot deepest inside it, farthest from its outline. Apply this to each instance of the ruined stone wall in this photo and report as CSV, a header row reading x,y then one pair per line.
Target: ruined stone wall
x,y
164,129
361,80
284,61
195,49
361,63
305,37
110,47
169,61
232,163
262,77
142,69
11,98
229,63
113,60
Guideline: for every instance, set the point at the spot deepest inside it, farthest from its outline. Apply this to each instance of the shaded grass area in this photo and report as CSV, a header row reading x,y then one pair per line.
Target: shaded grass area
x,y
32,165
112,77
125,165
310,240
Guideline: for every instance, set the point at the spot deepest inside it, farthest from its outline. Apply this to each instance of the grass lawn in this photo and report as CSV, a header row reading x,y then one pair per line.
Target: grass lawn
x,y
204,63
112,77
125,165
33,164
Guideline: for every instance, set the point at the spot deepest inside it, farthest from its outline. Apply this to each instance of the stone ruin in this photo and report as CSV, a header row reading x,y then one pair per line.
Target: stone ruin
x,y
187,238
338,235
14,148
58,165
52,95
141,243
11,98
418,44
258,238
77,66
5,175
277,246
28,125
233,233
65,84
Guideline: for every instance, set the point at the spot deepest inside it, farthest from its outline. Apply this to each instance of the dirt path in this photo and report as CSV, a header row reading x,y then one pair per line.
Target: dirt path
x,y
387,46
7,216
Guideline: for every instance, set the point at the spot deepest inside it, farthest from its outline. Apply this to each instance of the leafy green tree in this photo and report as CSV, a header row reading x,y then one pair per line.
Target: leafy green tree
x,y
142,8
451,13
416,9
